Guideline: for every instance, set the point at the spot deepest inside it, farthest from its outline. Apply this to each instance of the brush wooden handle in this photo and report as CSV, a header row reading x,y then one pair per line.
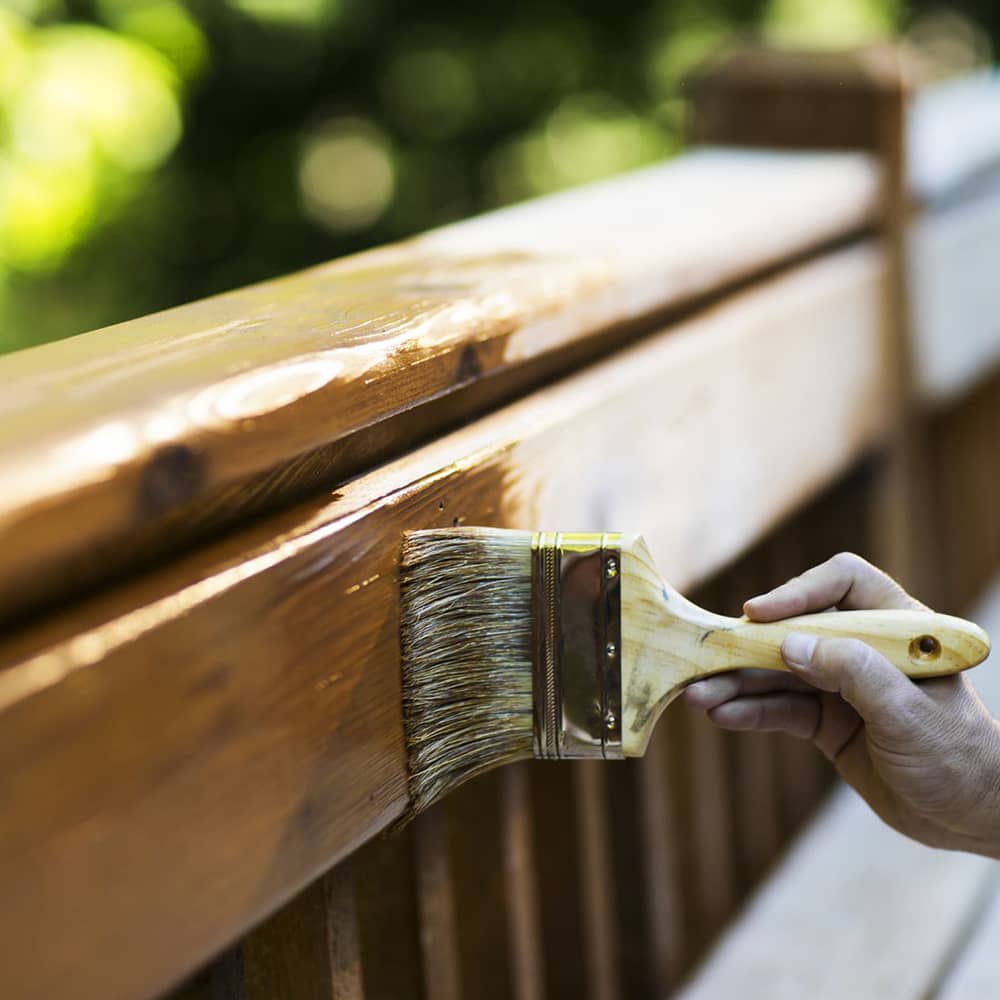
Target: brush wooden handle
x,y
668,642
920,643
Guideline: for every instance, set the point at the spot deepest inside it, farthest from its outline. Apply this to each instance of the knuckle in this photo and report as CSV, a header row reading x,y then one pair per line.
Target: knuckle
x,y
846,654
912,710
849,566
847,560
753,713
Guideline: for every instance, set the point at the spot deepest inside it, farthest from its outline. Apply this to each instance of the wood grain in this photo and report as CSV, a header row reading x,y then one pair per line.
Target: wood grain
x,y
758,812
553,808
661,854
601,957
389,922
240,709
482,927
436,902
775,97
521,880
119,446
310,948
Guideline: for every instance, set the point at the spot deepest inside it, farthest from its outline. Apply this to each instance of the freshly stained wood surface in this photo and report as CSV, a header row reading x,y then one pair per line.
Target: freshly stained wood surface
x,y
180,756
118,445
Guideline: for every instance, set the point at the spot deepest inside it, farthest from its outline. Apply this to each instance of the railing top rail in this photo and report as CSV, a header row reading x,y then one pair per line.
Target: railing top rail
x,y
118,445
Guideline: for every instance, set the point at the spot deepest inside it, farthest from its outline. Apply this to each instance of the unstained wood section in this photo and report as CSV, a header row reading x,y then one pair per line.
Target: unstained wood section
x,y
179,757
115,444
954,135
956,295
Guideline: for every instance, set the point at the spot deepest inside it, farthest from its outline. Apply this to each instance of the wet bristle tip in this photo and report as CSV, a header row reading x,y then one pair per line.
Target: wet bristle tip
x,y
466,637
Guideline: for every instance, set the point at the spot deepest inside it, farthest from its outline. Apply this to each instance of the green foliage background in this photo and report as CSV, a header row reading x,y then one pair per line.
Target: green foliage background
x,y
156,151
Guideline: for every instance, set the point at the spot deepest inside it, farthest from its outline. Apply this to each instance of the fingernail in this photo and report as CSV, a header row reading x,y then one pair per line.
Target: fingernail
x,y
798,649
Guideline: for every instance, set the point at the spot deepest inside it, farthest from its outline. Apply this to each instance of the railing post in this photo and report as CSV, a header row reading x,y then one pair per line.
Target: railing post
x,y
854,100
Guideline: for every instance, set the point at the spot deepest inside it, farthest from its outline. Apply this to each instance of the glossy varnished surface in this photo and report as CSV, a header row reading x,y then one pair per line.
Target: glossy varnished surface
x,y
178,757
117,445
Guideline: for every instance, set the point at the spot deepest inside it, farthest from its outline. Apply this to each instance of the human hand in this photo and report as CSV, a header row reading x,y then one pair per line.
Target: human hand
x,y
925,756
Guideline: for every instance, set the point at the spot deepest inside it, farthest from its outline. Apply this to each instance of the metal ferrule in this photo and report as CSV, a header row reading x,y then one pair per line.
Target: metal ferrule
x,y
577,633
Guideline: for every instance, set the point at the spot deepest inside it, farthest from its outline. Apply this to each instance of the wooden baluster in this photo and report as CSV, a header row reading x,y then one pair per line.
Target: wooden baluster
x,y
756,803
523,917
435,894
598,897
308,950
559,878
979,516
709,805
985,446
221,979
630,873
799,763
478,877
388,918
662,851
342,933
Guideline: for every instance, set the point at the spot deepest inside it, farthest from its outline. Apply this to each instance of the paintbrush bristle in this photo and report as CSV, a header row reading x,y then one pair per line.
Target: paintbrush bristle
x,y
466,633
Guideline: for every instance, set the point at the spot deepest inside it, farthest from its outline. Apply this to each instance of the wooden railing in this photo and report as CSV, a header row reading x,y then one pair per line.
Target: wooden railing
x,y
201,515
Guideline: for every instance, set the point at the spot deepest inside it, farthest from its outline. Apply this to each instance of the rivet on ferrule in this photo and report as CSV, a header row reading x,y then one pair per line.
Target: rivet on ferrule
x,y
577,634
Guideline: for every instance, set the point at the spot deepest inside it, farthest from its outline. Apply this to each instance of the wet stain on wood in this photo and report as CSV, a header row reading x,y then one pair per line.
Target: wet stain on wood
x,y
173,476
469,366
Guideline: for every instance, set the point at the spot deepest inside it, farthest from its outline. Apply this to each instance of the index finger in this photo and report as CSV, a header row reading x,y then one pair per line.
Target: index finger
x,y
846,581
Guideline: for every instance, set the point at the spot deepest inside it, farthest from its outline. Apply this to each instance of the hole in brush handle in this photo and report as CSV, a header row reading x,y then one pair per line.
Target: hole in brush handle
x,y
925,648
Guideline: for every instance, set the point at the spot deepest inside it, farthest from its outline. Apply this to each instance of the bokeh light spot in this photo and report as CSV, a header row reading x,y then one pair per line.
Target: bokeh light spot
x,y
588,136
85,111
947,43
44,210
289,13
119,92
164,25
431,91
14,49
347,174
677,53
829,25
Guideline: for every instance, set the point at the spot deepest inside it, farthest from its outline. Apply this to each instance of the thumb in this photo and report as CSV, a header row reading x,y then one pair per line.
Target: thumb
x,y
879,692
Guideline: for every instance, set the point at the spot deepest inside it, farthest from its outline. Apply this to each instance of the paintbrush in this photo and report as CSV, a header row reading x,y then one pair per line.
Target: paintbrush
x,y
518,644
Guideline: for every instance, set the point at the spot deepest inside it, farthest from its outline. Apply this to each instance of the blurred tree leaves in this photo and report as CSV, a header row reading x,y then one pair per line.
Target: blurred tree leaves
x,y
155,151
